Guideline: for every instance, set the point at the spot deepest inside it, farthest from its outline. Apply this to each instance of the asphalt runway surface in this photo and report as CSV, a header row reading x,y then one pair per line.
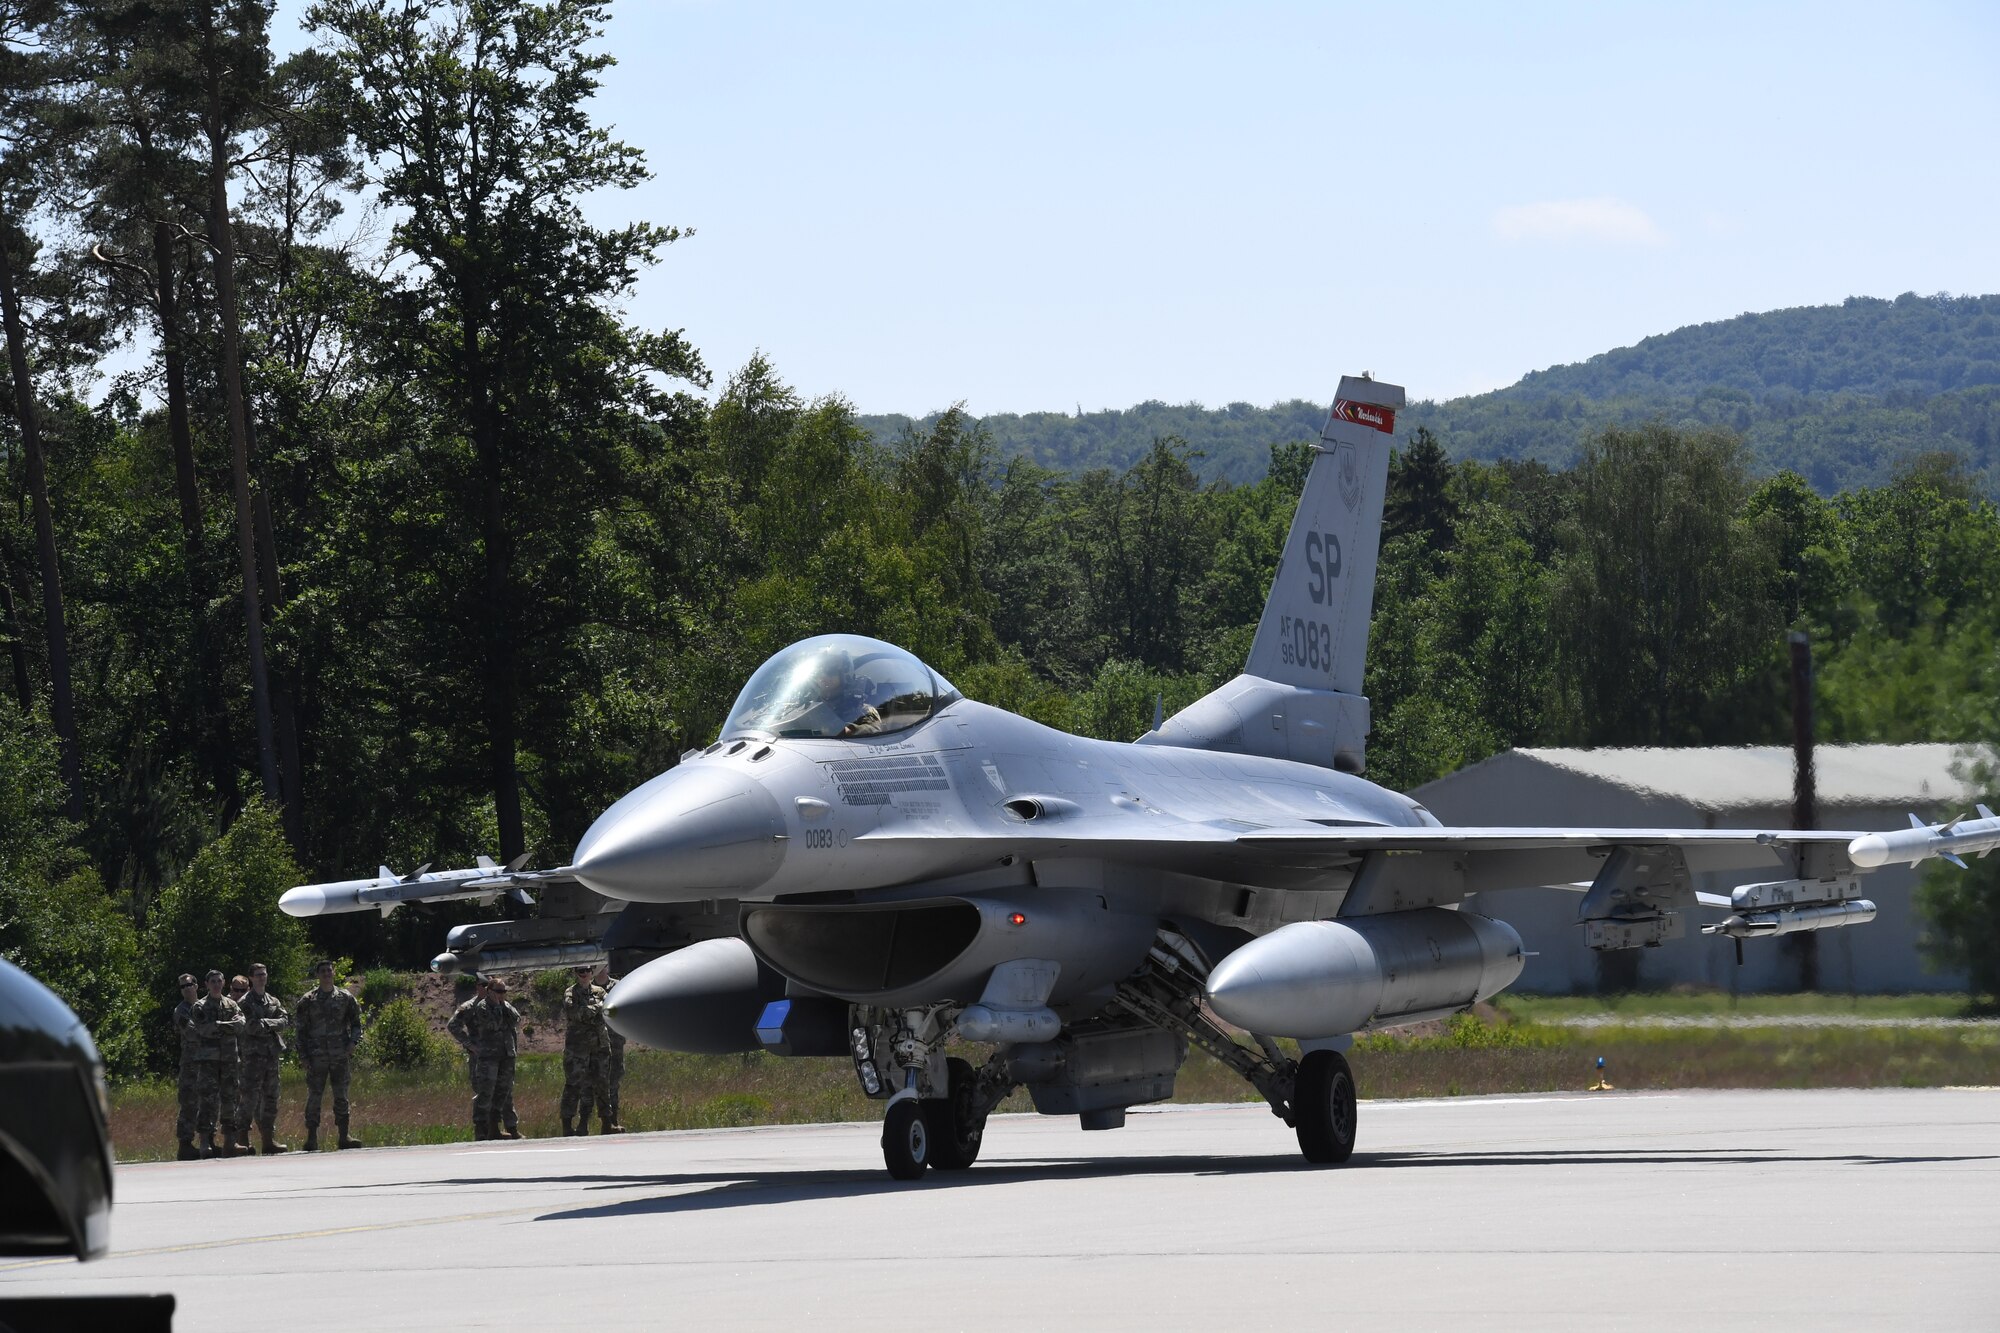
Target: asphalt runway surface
x,y
1681,1210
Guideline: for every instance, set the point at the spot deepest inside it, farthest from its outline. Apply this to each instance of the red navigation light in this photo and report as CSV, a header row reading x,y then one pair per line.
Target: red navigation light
x,y
1017,918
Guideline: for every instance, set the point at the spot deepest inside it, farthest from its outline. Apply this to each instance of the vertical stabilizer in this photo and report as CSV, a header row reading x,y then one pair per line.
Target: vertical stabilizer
x,y
1314,633
1300,695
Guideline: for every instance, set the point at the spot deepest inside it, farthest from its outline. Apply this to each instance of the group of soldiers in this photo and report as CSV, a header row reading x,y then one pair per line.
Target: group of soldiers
x,y
487,1026
230,1048
231,1045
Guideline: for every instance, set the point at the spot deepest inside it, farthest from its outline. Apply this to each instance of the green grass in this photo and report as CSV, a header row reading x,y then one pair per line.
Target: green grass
x,y
1700,1004
664,1090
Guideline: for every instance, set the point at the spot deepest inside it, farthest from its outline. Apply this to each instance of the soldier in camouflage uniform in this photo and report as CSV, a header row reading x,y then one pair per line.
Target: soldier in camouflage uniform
x,y
488,1034
217,1022
460,1024
236,1122
263,1047
464,1029
328,1024
586,1055
185,1039
614,1073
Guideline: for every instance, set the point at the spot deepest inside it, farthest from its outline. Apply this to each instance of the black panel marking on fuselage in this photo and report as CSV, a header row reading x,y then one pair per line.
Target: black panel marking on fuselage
x,y
876,781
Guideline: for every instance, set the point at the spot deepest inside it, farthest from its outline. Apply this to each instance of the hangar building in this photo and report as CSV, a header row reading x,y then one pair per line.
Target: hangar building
x,y
1861,787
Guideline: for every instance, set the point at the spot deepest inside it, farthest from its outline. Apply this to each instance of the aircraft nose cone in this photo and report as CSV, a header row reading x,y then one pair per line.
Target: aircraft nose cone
x,y
700,829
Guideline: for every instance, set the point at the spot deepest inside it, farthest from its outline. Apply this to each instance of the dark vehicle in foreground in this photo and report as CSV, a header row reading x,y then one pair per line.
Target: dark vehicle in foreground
x,y
55,1144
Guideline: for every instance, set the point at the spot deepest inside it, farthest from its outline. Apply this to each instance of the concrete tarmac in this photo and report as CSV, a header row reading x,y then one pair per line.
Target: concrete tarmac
x,y
1710,1210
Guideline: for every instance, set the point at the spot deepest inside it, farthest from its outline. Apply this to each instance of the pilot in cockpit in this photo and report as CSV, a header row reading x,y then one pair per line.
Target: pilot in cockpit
x,y
839,689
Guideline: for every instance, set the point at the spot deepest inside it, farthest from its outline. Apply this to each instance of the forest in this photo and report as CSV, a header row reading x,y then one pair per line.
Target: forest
x,y
350,522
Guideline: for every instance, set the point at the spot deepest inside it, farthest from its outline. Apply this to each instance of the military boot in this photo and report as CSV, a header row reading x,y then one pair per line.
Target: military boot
x,y
604,1126
508,1132
348,1140
229,1148
312,1138
188,1152
208,1148
271,1145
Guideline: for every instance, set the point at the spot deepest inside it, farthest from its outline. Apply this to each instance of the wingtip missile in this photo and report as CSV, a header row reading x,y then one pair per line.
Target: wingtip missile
x,y
1919,842
386,892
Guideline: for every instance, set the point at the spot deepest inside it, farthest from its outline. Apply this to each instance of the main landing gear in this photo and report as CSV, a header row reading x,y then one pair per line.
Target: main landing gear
x,y
1314,1095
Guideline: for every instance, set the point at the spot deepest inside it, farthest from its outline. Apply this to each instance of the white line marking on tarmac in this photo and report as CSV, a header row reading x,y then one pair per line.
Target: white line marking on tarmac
x,y
514,1152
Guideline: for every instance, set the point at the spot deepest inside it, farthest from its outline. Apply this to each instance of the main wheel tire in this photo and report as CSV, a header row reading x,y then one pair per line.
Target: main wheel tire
x,y
906,1140
955,1132
1323,1104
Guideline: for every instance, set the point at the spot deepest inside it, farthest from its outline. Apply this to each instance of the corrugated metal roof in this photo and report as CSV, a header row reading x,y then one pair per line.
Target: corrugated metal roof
x,y
1760,776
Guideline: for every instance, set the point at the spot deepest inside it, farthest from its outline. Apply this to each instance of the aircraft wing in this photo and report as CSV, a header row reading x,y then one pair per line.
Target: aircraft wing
x,y
1496,857
1624,874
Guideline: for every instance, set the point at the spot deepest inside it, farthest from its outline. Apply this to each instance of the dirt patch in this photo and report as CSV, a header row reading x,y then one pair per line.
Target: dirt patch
x,y
541,1023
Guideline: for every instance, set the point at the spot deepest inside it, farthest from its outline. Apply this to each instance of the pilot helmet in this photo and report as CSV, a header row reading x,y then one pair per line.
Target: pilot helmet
x,y
836,663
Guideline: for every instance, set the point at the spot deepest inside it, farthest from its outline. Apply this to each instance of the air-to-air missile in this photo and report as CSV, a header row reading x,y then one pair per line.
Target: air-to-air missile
x,y
387,890
1920,840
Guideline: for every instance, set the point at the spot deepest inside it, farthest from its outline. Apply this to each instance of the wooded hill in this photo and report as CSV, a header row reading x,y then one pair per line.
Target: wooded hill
x,y
1840,394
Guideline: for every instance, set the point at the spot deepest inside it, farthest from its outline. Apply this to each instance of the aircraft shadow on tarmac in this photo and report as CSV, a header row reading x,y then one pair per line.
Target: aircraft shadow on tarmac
x,y
701,1191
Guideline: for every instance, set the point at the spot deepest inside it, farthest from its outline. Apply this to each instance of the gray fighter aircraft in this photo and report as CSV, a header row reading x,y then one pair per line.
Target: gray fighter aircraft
x,y
867,864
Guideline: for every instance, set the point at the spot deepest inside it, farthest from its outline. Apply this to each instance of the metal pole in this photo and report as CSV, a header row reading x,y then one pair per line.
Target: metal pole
x,y
1805,798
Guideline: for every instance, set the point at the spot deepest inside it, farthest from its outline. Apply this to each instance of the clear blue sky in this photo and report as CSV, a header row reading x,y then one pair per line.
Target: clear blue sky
x,y
1041,206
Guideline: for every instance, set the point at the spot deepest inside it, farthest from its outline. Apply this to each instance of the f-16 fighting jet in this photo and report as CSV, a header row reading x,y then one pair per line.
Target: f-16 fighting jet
x,y
868,864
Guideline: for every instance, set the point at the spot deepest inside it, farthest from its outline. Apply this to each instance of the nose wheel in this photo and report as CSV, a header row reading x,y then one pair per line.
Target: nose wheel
x,y
957,1120
906,1139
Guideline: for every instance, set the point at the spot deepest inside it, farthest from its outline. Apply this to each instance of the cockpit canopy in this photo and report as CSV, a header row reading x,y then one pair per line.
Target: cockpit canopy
x,y
837,685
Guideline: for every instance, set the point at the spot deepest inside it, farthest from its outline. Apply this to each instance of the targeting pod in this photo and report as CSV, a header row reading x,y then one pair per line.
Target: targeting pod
x,y
1793,920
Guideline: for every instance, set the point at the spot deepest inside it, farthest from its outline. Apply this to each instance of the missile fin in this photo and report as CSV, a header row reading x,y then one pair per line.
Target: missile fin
x,y
1950,824
1917,823
1984,813
418,873
386,873
484,862
518,862
1953,859
387,908
521,896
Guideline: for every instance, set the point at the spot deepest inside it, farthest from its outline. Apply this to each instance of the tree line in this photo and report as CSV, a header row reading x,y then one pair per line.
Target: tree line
x,y
387,537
